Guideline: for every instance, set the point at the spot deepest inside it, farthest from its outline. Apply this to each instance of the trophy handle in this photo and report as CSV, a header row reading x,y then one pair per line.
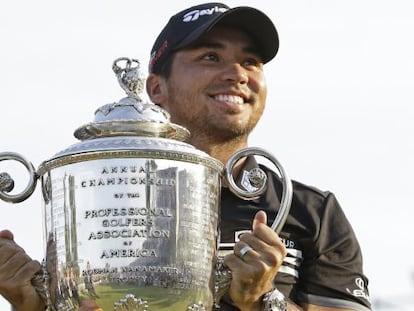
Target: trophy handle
x,y
7,183
258,179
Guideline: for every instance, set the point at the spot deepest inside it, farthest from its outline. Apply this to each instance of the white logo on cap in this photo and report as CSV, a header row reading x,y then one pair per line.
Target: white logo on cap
x,y
194,15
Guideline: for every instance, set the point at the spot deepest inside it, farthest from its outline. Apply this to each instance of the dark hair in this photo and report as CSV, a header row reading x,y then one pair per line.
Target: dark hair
x,y
165,69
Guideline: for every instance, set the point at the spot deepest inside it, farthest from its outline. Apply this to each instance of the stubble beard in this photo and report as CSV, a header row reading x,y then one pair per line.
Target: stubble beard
x,y
204,126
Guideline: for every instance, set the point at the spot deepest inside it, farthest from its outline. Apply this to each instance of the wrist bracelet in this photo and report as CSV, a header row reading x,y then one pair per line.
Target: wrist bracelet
x,y
274,301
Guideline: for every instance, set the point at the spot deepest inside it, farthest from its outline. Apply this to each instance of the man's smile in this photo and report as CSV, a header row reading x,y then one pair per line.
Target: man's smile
x,y
229,99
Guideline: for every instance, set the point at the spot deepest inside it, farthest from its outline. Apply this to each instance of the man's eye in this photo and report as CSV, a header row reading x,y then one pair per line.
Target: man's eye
x,y
210,56
252,62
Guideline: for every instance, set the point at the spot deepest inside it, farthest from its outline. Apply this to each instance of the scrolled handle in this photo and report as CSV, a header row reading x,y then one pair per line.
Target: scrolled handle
x,y
7,183
258,180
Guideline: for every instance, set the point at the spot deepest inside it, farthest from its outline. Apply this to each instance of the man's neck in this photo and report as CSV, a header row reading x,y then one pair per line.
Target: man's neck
x,y
221,151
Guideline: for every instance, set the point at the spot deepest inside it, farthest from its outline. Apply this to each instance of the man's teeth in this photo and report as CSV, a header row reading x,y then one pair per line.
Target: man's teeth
x,y
229,98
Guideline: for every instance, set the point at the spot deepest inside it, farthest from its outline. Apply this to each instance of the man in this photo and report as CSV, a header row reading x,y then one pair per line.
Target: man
x,y
206,70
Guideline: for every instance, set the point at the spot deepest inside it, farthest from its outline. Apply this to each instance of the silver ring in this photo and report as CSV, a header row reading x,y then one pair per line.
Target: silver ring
x,y
245,249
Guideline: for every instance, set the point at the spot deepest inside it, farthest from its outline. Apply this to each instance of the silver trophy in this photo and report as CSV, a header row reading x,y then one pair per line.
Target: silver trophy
x,y
131,212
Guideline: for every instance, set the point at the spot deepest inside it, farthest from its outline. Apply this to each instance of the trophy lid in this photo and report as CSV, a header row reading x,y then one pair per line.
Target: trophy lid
x,y
131,116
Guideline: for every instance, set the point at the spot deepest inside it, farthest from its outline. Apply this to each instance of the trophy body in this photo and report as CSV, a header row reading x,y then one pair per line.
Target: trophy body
x,y
137,220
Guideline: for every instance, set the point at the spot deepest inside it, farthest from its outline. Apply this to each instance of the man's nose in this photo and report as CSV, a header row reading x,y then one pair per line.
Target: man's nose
x,y
235,72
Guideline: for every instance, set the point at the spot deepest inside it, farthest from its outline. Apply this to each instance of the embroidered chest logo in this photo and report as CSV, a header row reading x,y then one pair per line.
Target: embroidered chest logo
x,y
360,291
246,183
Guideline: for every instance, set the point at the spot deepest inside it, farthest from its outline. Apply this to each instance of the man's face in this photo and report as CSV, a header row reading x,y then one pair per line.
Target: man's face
x,y
217,86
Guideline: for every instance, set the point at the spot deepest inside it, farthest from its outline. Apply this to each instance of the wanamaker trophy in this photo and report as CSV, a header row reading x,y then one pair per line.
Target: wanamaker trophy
x,y
131,212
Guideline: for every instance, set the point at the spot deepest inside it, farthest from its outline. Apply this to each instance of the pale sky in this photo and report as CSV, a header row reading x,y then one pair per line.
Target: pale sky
x,y
338,114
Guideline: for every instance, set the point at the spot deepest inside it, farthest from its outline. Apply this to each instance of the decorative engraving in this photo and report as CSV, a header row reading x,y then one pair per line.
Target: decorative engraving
x,y
257,177
6,182
130,303
129,147
222,280
130,78
196,307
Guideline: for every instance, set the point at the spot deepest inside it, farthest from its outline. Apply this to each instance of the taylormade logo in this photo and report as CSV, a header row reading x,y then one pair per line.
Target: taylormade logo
x,y
194,15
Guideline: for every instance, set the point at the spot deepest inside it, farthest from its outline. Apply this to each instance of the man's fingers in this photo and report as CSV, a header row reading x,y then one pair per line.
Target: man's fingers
x,y
6,234
259,218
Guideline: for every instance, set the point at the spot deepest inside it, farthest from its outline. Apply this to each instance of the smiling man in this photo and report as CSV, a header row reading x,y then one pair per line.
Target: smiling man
x,y
206,70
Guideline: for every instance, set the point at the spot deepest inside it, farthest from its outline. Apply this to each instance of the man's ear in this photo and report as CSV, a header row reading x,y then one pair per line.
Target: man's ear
x,y
157,90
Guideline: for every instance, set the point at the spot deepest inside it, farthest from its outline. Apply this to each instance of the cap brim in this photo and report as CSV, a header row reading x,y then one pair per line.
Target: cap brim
x,y
254,22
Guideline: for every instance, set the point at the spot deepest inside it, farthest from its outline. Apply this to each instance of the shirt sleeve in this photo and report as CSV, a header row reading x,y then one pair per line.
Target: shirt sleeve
x,y
331,273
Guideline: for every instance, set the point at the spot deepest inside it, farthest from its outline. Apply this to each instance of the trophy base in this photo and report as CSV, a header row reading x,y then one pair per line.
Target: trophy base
x,y
156,299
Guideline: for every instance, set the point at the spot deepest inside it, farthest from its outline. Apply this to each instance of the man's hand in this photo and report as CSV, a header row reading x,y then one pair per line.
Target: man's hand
x,y
16,271
254,272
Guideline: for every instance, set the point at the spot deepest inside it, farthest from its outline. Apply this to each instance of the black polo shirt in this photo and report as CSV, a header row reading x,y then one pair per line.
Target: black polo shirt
x,y
324,261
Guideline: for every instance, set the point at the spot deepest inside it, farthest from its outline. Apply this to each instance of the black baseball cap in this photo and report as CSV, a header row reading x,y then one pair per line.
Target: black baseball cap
x,y
188,25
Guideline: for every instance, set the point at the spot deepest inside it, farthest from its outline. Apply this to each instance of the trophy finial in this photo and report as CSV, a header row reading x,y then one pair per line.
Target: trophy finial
x,y
130,78
132,115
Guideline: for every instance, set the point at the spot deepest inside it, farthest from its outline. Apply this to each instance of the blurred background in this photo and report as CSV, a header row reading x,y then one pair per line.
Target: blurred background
x,y
339,113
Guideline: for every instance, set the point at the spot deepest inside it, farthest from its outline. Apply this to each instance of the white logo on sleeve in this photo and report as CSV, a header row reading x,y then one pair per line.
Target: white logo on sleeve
x,y
360,291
